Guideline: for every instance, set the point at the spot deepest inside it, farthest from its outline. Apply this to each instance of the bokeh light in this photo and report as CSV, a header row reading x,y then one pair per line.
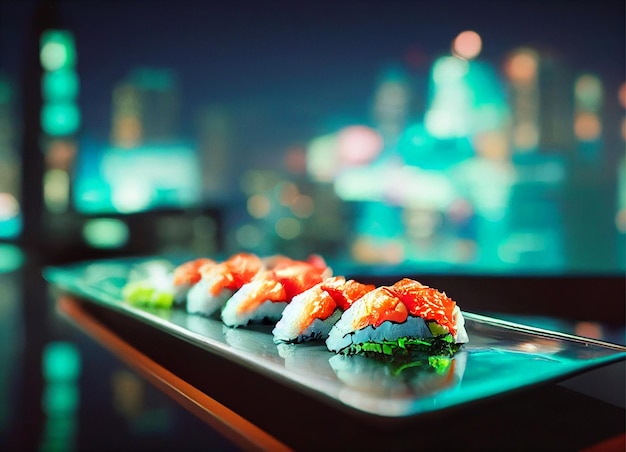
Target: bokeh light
x,y
60,118
9,207
11,258
587,127
467,45
295,159
53,55
128,394
286,192
61,85
449,70
526,136
588,92
105,233
248,236
131,196
303,206
621,95
56,189
522,66
61,361
60,153
288,228
259,206
358,145
322,163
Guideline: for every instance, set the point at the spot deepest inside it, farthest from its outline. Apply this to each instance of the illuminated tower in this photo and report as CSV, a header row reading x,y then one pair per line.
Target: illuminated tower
x,y
9,163
521,69
215,142
145,109
555,105
540,96
588,96
60,115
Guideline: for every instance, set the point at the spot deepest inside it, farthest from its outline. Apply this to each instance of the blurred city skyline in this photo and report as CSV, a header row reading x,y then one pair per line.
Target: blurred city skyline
x,y
500,143
307,57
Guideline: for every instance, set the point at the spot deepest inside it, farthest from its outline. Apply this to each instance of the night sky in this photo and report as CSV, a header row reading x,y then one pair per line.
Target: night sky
x,y
307,57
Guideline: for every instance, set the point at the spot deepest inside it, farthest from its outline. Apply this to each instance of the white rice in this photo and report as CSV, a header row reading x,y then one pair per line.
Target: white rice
x,y
459,324
286,330
342,336
201,301
267,310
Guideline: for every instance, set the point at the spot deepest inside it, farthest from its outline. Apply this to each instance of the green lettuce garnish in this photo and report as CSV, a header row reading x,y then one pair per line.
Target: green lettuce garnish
x,y
406,346
433,353
140,293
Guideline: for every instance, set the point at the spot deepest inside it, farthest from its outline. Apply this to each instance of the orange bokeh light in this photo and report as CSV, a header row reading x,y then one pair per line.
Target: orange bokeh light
x,y
621,95
587,126
522,66
467,45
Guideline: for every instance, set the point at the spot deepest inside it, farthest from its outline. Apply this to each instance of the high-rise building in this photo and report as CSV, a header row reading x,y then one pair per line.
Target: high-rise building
x,y
541,100
9,162
145,109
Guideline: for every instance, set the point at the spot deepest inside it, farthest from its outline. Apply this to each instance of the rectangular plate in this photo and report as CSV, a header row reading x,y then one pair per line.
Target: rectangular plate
x,y
501,356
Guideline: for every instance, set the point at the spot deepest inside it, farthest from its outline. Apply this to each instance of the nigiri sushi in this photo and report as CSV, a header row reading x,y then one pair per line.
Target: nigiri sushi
x,y
267,295
311,314
218,283
186,276
401,320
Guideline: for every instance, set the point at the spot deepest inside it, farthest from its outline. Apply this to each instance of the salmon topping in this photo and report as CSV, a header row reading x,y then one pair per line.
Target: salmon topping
x,y
265,289
347,292
287,279
378,306
319,305
232,273
189,272
426,302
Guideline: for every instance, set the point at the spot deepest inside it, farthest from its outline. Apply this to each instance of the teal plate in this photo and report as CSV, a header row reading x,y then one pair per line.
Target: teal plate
x,y
501,356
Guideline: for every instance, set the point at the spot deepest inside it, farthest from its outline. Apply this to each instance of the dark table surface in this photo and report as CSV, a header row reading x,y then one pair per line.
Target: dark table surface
x,y
61,389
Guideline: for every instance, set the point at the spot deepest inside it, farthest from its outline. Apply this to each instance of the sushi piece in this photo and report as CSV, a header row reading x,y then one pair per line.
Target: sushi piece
x,y
186,276
443,316
312,314
266,296
219,282
404,320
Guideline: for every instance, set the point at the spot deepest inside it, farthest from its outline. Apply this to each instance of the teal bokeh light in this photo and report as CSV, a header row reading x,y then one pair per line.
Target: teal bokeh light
x,y
57,50
60,86
60,118
61,361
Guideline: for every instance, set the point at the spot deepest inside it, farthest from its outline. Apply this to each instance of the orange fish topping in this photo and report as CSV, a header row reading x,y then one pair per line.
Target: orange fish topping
x,y
287,279
319,305
347,292
377,306
298,276
266,288
232,273
426,302
189,272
